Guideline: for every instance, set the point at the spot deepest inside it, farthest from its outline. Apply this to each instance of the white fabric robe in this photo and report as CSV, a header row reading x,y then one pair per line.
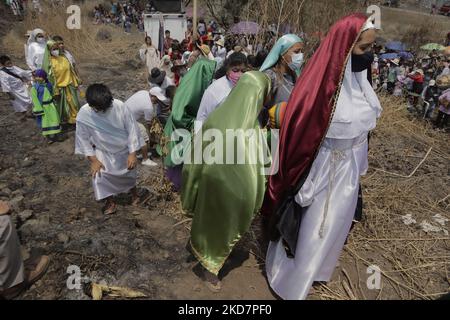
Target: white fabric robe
x,y
35,55
151,58
17,88
115,134
329,194
214,95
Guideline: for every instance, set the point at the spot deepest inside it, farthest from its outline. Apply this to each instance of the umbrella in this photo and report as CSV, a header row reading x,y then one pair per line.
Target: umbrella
x,y
395,46
406,55
389,56
245,27
432,46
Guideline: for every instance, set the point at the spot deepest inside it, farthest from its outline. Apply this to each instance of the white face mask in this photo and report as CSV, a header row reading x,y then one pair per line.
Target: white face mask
x,y
55,53
297,62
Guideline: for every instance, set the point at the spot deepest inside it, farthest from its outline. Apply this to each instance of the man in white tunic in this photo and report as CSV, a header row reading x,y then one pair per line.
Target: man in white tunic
x,y
329,195
13,81
108,135
218,91
35,49
141,107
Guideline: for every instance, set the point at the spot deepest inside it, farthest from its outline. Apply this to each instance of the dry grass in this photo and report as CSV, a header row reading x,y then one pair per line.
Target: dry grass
x,y
82,43
414,28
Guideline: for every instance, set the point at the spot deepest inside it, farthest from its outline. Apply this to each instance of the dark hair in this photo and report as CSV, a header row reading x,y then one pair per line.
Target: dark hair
x,y
261,57
251,60
4,59
167,31
57,38
235,59
99,97
170,92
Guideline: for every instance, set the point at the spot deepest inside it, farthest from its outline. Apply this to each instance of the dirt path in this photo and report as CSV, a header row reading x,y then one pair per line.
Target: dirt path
x,y
144,248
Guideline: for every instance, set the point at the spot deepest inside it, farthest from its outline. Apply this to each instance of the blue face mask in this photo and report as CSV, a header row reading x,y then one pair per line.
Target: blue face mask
x,y
297,62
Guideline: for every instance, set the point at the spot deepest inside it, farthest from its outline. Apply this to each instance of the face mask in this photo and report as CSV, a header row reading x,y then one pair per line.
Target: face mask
x,y
55,53
297,62
361,62
40,39
234,77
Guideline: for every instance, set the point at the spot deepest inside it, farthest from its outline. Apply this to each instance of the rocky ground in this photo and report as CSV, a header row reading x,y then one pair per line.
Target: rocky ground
x,y
143,247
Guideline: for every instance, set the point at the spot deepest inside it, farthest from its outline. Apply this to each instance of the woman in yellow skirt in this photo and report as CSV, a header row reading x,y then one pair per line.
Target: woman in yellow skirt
x,y
65,81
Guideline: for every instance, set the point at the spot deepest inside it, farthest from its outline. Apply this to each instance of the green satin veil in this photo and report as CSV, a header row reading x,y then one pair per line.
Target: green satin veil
x,y
224,198
186,103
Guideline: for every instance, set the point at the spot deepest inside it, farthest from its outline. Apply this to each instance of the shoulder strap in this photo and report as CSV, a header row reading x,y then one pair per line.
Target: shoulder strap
x,y
12,74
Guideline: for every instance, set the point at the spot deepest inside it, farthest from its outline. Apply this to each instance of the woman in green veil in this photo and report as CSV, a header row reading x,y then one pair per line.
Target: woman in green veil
x,y
184,112
223,198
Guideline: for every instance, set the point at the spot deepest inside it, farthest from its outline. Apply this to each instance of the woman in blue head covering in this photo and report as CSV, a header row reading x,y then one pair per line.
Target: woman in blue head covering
x,y
283,66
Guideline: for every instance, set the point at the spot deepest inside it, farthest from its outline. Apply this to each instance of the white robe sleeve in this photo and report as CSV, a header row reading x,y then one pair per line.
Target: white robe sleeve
x,y
4,82
135,140
26,74
208,104
83,145
142,54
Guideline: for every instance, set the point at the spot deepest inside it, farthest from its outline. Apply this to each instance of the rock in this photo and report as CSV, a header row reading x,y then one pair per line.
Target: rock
x,y
27,163
103,35
136,213
25,215
15,184
16,203
16,193
82,210
62,237
6,192
133,64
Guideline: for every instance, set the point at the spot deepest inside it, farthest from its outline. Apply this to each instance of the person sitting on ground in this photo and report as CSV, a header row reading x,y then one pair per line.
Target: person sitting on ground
x,y
13,81
141,107
16,275
108,135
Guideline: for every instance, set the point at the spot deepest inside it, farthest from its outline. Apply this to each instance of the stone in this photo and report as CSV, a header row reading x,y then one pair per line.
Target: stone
x,y
62,237
103,35
6,192
16,203
25,215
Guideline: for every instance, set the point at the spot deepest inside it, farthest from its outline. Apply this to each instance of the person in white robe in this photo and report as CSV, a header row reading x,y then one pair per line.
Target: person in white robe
x,y
149,55
14,81
330,193
141,107
35,49
108,135
218,91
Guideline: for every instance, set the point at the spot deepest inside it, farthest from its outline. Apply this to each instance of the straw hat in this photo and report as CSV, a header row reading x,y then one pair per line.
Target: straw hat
x,y
396,61
204,49
420,71
220,42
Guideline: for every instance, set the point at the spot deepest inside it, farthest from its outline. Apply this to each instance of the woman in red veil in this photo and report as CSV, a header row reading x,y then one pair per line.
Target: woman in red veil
x,y
322,154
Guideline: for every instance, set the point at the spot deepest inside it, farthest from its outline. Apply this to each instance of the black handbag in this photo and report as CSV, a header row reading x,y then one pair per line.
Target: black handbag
x,y
286,221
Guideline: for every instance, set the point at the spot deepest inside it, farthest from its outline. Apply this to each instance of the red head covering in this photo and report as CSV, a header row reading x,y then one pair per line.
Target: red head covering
x,y
310,109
